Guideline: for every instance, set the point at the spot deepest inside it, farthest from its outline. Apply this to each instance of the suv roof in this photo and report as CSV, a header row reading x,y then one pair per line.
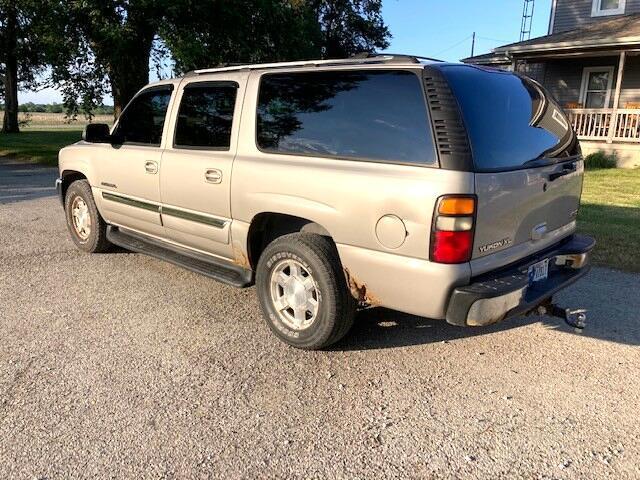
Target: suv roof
x,y
361,59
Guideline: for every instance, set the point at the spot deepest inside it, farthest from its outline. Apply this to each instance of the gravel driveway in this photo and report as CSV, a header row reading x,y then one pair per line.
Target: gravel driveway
x,y
120,365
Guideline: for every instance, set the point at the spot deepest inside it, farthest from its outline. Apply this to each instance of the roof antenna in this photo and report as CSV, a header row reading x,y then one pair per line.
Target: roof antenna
x,y
527,19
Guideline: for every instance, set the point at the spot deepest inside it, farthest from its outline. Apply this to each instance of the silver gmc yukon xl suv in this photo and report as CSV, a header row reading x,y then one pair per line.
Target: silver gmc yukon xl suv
x,y
443,190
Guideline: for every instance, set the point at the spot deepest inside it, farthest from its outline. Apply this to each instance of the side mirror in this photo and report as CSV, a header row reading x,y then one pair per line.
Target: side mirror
x,y
96,133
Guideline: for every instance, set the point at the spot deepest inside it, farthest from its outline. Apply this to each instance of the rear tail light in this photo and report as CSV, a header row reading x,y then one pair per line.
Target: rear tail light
x,y
452,230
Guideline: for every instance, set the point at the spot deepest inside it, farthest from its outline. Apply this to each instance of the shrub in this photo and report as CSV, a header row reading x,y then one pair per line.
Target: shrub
x,y
600,159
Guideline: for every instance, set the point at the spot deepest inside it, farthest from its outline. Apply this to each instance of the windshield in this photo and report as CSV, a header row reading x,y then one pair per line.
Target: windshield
x,y
511,120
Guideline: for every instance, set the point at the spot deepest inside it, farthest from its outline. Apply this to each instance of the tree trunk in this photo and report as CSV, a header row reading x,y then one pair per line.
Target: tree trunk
x,y
10,121
127,79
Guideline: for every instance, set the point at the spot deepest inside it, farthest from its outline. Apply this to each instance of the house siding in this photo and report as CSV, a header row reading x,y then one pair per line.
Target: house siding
x,y
533,70
572,14
563,78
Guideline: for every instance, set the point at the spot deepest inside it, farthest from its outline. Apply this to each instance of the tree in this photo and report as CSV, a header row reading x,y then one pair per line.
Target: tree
x,y
22,52
114,46
350,26
249,31
219,32
96,46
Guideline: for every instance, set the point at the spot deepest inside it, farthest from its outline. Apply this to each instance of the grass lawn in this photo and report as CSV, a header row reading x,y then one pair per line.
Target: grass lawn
x,y
610,212
40,146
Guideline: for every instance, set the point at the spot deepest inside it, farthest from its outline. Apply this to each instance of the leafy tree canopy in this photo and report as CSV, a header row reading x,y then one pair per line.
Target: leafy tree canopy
x,y
95,47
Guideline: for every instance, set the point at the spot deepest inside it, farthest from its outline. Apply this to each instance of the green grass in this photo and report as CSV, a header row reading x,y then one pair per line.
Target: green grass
x,y
610,212
37,146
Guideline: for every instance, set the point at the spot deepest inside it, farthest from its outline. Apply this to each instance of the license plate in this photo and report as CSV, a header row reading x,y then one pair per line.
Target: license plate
x,y
539,271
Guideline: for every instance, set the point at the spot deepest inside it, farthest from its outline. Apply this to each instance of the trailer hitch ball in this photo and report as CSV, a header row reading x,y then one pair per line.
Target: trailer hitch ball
x,y
576,318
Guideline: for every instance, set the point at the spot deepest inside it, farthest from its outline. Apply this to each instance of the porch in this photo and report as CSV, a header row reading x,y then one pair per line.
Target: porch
x,y
600,92
606,124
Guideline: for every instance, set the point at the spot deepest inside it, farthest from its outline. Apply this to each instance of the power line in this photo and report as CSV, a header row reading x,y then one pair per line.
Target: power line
x,y
454,45
494,39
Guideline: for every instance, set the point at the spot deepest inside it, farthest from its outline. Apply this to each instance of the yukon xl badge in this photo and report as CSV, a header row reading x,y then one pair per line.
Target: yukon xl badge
x,y
492,246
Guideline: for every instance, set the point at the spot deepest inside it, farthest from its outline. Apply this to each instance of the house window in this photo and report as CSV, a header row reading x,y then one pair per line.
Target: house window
x,y
596,87
607,7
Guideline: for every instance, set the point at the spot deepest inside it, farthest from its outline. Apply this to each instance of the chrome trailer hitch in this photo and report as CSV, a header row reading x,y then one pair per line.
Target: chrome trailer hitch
x,y
574,318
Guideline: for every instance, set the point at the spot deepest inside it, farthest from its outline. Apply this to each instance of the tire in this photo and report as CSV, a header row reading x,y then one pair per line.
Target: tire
x,y
324,282
89,236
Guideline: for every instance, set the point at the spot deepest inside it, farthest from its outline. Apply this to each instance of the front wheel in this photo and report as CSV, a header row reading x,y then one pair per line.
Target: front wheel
x,y
302,291
88,229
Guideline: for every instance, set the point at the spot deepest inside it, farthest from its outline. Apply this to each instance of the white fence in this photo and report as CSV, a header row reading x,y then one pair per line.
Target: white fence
x,y
604,124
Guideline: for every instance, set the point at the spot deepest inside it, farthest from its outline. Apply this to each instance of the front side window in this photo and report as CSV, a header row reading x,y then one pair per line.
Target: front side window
x,y
378,115
206,115
596,87
607,7
143,119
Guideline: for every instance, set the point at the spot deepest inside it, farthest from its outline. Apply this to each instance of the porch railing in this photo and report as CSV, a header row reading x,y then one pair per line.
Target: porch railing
x,y
604,124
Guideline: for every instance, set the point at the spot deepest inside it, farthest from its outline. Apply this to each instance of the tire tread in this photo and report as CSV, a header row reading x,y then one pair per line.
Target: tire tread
x,y
99,242
331,269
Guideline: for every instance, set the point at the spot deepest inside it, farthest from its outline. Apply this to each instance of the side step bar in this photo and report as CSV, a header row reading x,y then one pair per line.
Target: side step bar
x,y
225,272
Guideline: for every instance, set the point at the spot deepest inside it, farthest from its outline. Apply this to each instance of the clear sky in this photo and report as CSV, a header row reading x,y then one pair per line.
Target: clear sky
x,y
434,29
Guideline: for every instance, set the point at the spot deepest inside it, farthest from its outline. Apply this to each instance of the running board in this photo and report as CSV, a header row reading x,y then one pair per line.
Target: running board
x,y
217,269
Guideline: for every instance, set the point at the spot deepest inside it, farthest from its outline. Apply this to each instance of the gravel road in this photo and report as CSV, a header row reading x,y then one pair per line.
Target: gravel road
x,y
123,366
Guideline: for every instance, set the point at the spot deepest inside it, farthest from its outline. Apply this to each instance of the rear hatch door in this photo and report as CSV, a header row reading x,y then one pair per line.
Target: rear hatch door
x,y
527,163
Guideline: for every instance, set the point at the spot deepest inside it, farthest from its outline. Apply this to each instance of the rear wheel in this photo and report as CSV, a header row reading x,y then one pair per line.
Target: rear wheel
x,y
303,292
88,229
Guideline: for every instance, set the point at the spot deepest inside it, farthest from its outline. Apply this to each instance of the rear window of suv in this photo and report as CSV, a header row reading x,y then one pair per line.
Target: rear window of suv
x,y
377,115
510,120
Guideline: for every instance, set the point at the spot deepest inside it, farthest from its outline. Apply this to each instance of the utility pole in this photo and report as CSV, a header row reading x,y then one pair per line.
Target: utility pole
x,y
473,43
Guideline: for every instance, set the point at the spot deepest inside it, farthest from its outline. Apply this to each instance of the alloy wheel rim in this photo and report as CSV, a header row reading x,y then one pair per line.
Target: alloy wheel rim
x,y
81,218
295,294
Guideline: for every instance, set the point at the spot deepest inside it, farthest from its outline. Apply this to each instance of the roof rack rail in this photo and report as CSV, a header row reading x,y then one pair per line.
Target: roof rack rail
x,y
399,56
358,59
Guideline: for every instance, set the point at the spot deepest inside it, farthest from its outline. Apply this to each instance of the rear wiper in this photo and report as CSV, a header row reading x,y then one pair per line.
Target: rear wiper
x,y
542,161
539,162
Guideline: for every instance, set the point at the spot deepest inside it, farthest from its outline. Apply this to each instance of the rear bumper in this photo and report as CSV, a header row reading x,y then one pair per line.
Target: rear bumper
x,y
505,293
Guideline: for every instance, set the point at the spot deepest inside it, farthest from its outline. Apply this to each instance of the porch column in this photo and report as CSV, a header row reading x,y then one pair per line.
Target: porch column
x,y
613,124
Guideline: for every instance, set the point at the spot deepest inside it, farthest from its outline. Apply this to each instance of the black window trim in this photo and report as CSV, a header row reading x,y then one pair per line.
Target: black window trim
x,y
167,86
416,71
205,84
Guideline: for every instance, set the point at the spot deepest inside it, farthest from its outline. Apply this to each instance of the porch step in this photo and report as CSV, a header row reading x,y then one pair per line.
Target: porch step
x,y
220,270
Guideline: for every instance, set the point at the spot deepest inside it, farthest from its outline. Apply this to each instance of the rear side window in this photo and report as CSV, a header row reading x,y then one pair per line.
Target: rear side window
x,y
510,120
375,115
143,119
205,116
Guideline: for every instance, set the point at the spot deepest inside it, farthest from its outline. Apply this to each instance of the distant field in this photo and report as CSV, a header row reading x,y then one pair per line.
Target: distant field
x,y
57,121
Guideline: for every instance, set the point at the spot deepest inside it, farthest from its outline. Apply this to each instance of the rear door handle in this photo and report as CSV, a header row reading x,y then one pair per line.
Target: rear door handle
x,y
213,175
151,166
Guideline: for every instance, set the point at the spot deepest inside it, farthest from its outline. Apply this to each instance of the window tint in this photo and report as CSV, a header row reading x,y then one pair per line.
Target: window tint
x,y
143,119
377,115
510,120
206,115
